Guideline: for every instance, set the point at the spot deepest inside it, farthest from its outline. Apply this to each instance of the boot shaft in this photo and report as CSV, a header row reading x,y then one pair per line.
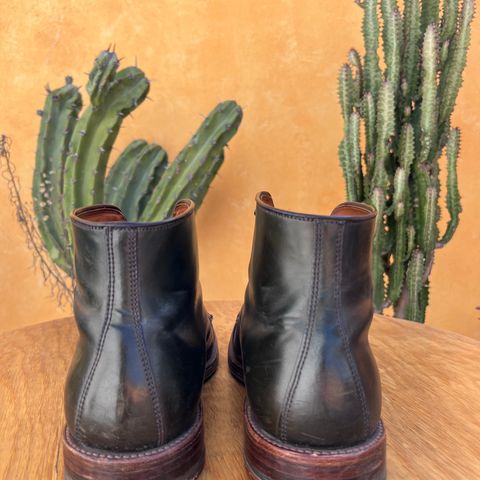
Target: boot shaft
x,y
310,376
137,373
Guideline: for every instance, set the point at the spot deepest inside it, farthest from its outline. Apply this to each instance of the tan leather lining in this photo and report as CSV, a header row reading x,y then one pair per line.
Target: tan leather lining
x,y
101,214
181,207
349,210
265,197
352,210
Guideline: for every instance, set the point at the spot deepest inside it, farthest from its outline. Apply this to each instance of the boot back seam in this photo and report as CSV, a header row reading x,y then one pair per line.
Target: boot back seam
x,y
103,334
132,242
343,331
312,312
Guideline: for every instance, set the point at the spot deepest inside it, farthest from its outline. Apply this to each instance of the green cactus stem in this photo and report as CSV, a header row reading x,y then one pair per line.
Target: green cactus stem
x,y
197,163
414,284
58,118
94,135
454,206
370,34
451,76
136,186
101,77
121,170
404,114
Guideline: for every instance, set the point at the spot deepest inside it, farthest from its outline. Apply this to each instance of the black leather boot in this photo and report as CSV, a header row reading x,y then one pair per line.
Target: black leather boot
x,y
300,345
146,346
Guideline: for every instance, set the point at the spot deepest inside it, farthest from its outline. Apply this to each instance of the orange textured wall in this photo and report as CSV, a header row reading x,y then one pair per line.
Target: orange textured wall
x,y
279,60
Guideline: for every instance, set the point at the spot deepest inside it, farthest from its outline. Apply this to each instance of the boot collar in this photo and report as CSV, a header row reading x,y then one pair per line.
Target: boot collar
x,y
103,215
351,211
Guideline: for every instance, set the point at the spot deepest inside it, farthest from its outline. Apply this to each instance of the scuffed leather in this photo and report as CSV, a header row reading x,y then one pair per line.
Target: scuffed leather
x,y
137,373
302,333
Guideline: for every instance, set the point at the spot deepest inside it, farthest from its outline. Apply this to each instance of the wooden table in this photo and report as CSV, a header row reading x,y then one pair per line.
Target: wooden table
x,y
431,394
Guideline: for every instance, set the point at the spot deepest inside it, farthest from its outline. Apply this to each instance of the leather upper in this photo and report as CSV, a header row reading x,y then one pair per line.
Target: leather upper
x,y
302,333
137,373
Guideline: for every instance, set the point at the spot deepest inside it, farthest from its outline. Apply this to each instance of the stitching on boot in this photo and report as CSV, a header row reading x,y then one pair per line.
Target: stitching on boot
x,y
103,334
311,218
355,449
312,311
144,453
132,241
343,332
148,227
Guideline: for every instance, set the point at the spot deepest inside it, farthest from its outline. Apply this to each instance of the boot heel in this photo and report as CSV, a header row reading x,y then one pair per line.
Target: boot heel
x,y
182,458
268,459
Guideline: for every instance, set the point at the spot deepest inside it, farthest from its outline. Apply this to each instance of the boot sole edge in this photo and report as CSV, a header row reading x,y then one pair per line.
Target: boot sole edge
x,y
182,458
268,459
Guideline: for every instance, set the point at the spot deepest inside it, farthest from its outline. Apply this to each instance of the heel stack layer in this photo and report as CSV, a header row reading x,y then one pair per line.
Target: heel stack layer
x,y
182,458
267,459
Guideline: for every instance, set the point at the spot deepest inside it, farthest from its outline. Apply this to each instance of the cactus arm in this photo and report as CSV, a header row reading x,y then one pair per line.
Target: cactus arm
x,y
93,138
198,189
345,93
411,237
449,19
378,201
453,202
151,164
346,100
369,114
415,272
451,77
407,148
372,76
411,53
101,76
426,210
428,116
430,12
348,173
356,63
385,130
354,154
58,119
195,160
397,270
401,206
392,41
157,175
120,171
429,232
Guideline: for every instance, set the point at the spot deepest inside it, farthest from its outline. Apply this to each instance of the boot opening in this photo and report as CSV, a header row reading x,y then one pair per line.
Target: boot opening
x,y
101,214
351,210
181,207
346,209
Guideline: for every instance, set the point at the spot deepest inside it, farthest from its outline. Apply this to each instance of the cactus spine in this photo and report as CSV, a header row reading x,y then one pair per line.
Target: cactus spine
x,y
406,115
73,153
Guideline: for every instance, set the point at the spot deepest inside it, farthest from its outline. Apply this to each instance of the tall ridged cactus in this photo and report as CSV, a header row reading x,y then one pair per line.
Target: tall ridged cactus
x,y
404,113
74,150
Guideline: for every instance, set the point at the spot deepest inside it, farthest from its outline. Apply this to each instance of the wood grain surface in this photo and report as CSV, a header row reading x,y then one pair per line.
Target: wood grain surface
x,y
431,401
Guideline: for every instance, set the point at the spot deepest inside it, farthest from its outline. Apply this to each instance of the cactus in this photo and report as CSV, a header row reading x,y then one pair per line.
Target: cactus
x,y
404,113
73,153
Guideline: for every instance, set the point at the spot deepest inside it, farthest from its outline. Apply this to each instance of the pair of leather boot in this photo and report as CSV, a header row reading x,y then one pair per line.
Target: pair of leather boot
x,y
300,346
